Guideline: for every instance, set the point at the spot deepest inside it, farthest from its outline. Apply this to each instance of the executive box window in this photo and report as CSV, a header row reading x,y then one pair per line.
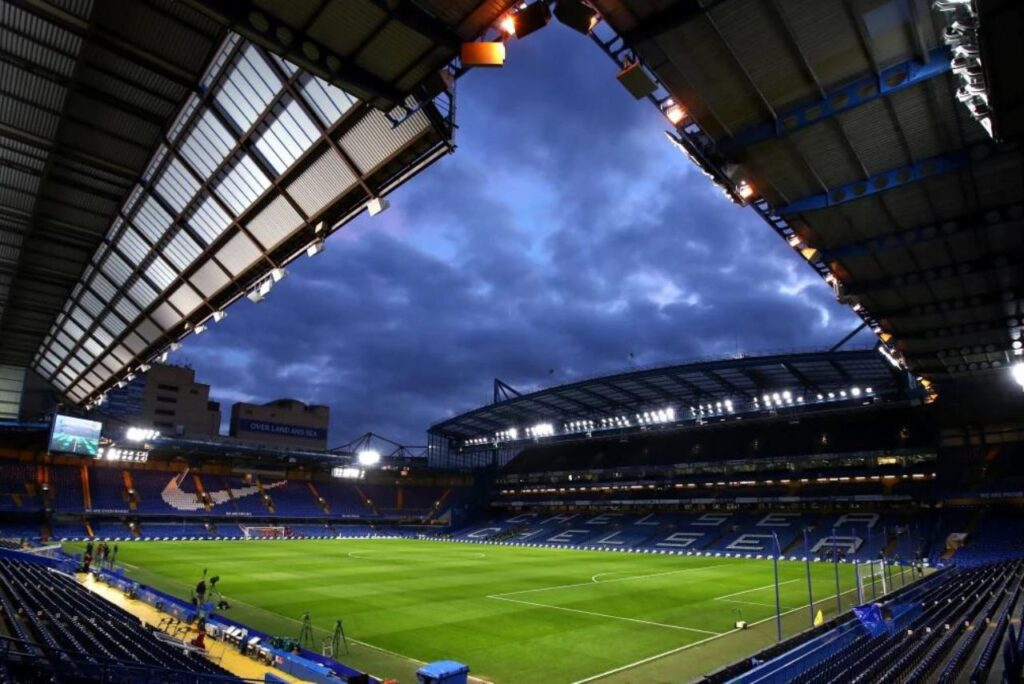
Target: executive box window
x,y
167,400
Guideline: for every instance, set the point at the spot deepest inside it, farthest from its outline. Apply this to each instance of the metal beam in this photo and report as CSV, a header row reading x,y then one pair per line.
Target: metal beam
x,y
672,17
105,40
973,303
308,53
939,230
986,264
878,183
997,324
863,91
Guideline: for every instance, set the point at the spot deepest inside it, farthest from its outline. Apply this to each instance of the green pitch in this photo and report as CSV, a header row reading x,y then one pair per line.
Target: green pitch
x,y
512,614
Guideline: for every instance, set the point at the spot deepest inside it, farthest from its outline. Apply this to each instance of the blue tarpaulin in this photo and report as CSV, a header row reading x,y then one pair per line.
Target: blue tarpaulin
x,y
443,672
870,616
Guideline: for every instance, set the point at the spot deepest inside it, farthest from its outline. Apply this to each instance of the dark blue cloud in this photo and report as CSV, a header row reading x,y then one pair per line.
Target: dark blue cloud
x,y
564,238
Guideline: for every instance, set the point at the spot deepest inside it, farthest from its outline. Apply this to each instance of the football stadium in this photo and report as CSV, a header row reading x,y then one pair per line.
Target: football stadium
x,y
837,513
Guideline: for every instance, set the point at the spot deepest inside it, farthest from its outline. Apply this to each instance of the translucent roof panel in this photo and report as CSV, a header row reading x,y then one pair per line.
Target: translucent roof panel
x,y
249,168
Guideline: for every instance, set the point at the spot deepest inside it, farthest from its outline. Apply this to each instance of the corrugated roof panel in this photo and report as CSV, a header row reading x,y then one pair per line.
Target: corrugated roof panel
x,y
392,51
182,250
328,101
274,223
160,273
185,299
249,86
286,134
132,246
238,254
373,139
165,316
209,279
114,323
23,116
208,220
207,144
176,185
355,18
321,182
240,183
142,293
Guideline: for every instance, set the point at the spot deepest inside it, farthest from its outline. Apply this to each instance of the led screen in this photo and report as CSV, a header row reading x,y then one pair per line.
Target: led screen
x,y
75,436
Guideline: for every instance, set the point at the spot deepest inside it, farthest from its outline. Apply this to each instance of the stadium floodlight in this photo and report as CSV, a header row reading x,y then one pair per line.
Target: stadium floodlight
x,y
379,204
315,247
855,391
1017,373
507,25
144,367
869,390
219,316
577,15
137,434
531,18
673,112
199,329
745,190
368,457
476,54
278,274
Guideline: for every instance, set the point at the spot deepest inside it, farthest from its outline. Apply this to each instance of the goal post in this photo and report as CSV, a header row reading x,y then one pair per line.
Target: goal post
x,y
871,580
266,531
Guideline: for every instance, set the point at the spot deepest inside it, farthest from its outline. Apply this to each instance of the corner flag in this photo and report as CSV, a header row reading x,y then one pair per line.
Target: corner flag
x,y
819,619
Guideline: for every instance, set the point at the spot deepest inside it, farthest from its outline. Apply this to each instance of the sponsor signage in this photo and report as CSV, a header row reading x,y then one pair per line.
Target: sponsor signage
x,y
264,427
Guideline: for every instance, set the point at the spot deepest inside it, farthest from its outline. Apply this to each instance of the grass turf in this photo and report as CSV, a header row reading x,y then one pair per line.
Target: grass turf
x,y
513,614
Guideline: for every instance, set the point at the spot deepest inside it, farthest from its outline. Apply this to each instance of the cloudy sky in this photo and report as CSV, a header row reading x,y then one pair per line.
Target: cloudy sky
x,y
564,238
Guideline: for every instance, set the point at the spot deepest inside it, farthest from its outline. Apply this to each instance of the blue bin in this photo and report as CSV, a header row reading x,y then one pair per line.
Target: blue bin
x,y
443,672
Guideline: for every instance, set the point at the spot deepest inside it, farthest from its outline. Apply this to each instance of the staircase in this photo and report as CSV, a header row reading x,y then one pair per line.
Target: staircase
x,y
200,492
86,491
133,502
319,499
439,506
267,501
366,500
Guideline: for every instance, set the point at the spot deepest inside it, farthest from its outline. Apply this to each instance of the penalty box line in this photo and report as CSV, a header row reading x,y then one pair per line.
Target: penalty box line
x,y
592,581
666,625
680,649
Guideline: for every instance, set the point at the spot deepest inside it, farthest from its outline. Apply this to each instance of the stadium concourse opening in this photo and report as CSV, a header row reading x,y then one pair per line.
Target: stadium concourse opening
x,y
845,513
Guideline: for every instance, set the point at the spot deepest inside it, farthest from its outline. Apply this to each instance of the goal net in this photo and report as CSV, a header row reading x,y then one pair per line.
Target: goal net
x,y
266,531
872,578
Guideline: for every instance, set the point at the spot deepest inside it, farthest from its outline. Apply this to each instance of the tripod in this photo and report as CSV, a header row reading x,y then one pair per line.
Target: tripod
x,y
306,634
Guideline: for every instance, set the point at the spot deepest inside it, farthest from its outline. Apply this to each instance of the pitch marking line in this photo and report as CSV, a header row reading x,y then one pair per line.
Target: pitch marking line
x,y
679,649
752,603
621,579
748,591
500,597
355,641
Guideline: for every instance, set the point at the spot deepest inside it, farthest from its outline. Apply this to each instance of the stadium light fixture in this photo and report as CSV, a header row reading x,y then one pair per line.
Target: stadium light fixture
x,y
315,247
507,25
137,434
531,18
674,112
144,367
745,190
380,204
368,457
577,15
483,53
219,316
175,346
1017,373
199,329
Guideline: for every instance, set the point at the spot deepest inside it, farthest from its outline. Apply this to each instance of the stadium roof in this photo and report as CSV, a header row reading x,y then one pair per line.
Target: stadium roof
x,y
842,124
744,382
155,167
